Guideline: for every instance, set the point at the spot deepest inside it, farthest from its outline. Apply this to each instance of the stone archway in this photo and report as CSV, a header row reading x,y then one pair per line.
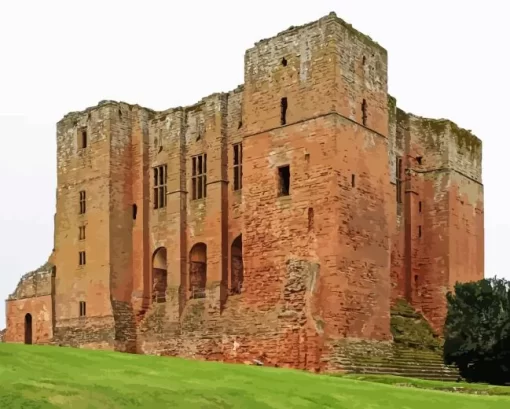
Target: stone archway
x,y
198,270
159,275
28,329
236,266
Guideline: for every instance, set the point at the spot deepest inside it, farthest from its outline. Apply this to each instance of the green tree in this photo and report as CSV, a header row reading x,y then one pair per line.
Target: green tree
x,y
477,330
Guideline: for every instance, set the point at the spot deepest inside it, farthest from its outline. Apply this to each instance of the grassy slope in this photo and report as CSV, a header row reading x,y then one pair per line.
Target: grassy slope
x,y
51,377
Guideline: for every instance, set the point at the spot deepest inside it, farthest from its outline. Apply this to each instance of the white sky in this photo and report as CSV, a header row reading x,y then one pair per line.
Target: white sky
x,y
446,59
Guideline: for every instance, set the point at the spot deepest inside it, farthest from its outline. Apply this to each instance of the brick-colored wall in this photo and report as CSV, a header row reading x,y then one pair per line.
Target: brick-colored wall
x,y
286,277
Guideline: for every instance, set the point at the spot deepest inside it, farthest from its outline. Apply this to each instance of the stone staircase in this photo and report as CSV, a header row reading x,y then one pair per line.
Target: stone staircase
x,y
416,352
399,362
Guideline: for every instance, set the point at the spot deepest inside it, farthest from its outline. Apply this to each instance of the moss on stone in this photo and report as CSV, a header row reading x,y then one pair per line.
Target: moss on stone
x,y
410,329
465,139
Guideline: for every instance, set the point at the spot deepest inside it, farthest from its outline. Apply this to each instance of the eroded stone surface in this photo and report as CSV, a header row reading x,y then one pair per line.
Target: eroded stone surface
x,y
277,271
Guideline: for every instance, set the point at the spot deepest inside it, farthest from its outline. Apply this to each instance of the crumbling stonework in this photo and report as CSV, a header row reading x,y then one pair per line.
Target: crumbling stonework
x,y
268,223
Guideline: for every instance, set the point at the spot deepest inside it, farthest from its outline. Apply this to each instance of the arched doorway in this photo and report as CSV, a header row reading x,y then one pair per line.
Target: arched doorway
x,y
236,266
198,270
28,329
159,275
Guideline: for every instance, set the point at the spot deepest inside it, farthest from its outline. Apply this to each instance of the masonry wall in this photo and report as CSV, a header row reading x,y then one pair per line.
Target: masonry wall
x,y
83,170
32,297
180,263
437,240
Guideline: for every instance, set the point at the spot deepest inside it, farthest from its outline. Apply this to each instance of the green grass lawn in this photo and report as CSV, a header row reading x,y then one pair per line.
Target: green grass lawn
x,y
51,377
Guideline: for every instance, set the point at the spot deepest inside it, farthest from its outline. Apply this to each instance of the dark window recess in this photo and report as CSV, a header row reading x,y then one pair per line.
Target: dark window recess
x,y
83,138
240,125
353,180
284,181
82,259
416,279
419,231
398,178
283,106
160,177
284,61
419,207
83,308
364,60
83,202
364,112
310,219
82,233
135,211
199,176
419,159
238,166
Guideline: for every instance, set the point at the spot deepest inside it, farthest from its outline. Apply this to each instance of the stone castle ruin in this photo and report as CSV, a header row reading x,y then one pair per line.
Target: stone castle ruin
x,y
281,221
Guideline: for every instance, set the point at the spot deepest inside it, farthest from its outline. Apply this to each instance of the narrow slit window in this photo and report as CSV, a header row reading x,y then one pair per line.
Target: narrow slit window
x,y
284,180
199,176
283,104
364,112
310,219
135,211
160,188
419,206
83,138
83,308
83,202
398,178
82,258
82,233
353,180
238,166
419,231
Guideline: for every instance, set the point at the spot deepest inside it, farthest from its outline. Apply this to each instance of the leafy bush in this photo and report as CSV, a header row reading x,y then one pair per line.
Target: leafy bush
x,y
477,330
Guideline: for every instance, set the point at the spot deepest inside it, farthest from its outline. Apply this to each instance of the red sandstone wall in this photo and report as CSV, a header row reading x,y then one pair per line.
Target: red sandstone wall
x,y
40,308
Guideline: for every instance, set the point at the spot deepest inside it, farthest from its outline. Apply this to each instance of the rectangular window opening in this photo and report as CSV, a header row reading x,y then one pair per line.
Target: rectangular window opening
x,y
83,308
83,202
353,180
364,112
83,142
160,188
398,179
284,180
419,231
283,106
199,176
238,166
419,207
82,233
82,259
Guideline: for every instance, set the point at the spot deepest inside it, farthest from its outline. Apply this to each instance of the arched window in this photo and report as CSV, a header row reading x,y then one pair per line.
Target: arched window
x,y
159,275
28,329
236,266
198,270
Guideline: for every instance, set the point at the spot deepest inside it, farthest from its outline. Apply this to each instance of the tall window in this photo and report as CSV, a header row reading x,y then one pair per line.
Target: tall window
x,y
82,138
160,186
398,178
83,308
82,259
199,176
82,233
83,202
238,166
364,112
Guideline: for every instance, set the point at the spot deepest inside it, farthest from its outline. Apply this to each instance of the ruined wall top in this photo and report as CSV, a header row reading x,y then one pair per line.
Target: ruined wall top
x,y
36,283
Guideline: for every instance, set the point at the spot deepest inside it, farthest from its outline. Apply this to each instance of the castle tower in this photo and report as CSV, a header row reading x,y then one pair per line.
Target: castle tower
x,y
316,194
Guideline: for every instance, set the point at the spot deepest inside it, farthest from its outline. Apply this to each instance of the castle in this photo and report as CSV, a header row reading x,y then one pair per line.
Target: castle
x,y
269,222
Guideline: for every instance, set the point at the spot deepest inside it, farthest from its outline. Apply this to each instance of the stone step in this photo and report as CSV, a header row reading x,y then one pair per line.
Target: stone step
x,y
407,374
399,369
